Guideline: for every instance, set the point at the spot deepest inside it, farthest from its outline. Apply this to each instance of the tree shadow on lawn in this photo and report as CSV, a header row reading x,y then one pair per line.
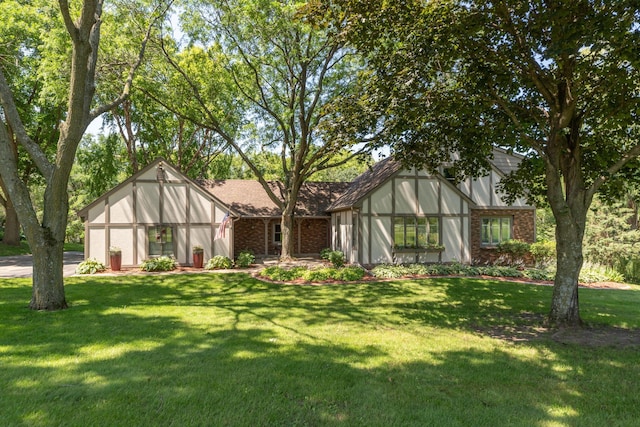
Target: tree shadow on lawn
x,y
247,377
505,310
103,362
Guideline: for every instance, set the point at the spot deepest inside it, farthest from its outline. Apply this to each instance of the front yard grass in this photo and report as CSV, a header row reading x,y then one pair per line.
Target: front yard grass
x,y
230,350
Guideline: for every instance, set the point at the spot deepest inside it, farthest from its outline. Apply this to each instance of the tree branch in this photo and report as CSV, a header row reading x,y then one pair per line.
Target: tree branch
x,y
134,68
13,118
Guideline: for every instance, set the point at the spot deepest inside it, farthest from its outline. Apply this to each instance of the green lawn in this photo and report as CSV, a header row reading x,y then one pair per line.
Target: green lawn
x,y
213,350
6,250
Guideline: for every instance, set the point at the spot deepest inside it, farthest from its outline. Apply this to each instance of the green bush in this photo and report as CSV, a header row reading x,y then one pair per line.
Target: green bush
x,y
538,274
336,258
219,262
324,253
513,251
163,263
630,267
322,274
543,252
90,266
318,274
349,274
280,274
592,273
245,259
495,271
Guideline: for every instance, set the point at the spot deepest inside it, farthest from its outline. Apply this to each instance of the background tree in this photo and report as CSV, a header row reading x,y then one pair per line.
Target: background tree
x,y
557,81
67,61
260,74
20,39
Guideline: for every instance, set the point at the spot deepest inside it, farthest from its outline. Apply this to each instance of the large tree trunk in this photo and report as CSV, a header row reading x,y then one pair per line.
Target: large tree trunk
x,y
48,282
569,199
565,310
286,226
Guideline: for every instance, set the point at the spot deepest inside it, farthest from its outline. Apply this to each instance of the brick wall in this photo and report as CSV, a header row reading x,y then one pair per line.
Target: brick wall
x,y
314,235
523,228
249,234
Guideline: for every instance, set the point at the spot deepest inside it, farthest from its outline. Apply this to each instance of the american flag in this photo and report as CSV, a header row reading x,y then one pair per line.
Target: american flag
x,y
223,226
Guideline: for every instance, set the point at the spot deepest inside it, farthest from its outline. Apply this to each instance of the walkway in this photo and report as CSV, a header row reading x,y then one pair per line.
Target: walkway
x,y
22,265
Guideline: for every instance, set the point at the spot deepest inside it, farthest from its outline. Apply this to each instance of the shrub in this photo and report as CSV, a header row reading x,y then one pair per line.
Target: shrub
x,y
218,262
543,252
538,274
90,266
386,271
513,251
245,259
497,271
592,273
280,274
629,267
324,253
336,258
349,274
163,263
322,274
318,274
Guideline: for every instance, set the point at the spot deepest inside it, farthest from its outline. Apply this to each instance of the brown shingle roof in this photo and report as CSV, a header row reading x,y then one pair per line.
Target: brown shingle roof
x,y
365,183
248,198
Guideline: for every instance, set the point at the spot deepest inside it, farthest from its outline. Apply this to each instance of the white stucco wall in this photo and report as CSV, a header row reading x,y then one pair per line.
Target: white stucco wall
x,y
200,206
175,203
148,202
121,206
405,196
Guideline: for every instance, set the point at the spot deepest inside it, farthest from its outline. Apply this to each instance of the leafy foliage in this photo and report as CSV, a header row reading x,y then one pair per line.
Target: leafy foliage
x,y
219,262
90,266
321,274
543,252
451,80
513,251
324,253
387,271
336,258
245,259
163,263
281,274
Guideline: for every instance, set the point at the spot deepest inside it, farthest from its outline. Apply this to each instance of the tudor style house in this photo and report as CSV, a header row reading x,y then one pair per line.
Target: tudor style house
x,y
388,214
391,214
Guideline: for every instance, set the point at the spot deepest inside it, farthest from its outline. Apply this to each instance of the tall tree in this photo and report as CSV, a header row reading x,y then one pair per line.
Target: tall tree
x,y
261,74
555,80
71,47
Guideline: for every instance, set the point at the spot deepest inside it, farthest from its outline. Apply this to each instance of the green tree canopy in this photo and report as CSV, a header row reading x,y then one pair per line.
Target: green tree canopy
x,y
556,81
262,74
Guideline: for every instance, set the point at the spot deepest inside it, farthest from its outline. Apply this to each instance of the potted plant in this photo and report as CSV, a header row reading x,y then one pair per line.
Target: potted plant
x,y
198,256
115,258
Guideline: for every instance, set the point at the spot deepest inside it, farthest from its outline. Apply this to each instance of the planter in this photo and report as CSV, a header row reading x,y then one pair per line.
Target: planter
x,y
115,261
198,259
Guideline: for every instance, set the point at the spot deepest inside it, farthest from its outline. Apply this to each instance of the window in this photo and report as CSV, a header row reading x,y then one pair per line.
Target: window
x,y
495,230
277,233
411,232
160,240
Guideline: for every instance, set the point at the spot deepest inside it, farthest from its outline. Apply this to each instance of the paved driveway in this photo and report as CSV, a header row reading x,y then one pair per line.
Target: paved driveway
x,y
22,265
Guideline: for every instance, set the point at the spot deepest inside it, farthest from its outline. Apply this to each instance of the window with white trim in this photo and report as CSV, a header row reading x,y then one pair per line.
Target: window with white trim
x,y
416,232
277,233
495,230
